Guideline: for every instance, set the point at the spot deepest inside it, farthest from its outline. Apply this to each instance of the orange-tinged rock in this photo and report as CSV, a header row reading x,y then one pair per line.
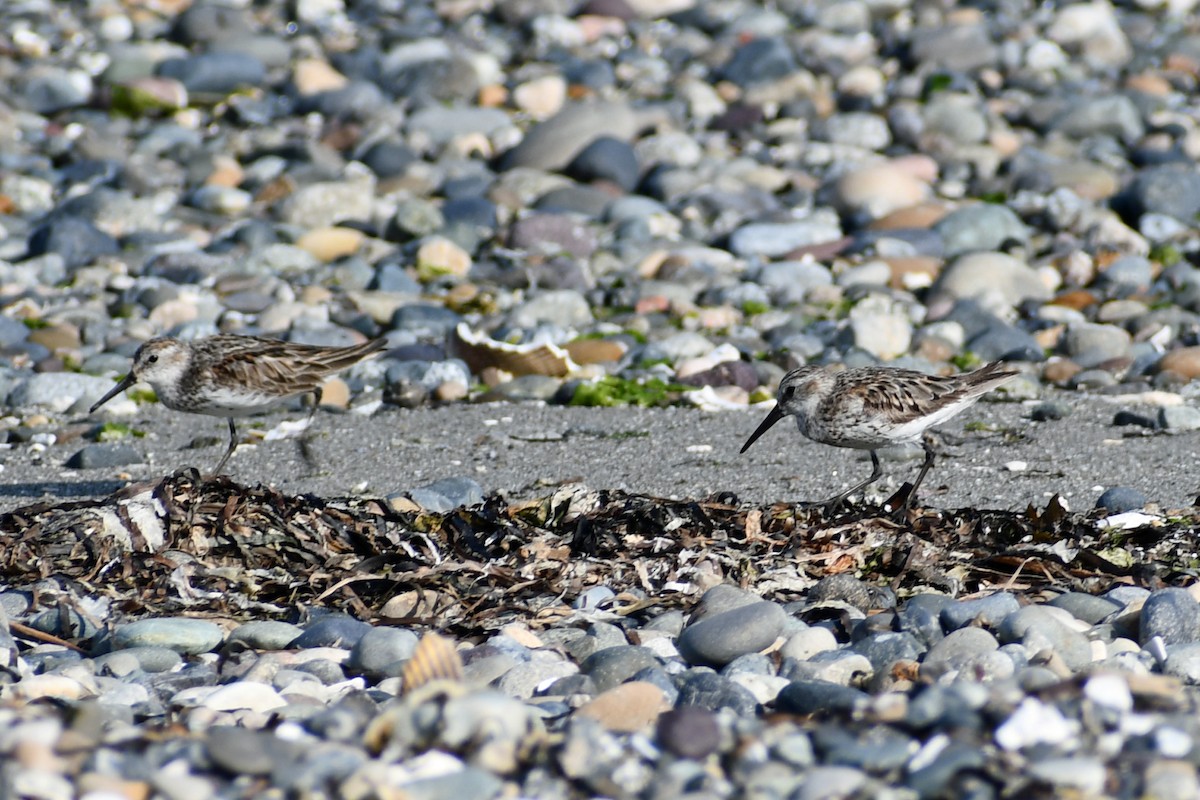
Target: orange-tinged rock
x,y
913,272
312,76
1059,372
1185,361
335,393
923,215
628,708
594,351
226,172
1077,299
328,244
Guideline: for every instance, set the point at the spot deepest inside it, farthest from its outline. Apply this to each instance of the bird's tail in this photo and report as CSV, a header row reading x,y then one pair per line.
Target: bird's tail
x,y
989,376
343,357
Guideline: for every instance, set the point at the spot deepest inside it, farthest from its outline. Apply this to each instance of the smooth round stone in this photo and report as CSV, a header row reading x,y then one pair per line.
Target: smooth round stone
x,y
1087,607
265,634
606,159
247,752
331,630
1179,418
980,227
959,649
1036,625
553,143
147,659
1173,190
980,275
1048,410
716,640
77,241
774,239
1090,345
1183,661
719,599
885,649
713,692
1172,614
592,597
181,634
380,649
527,678
563,308
628,708
447,494
921,616
103,455
1119,499
689,732
935,778
812,696
807,642
215,72
550,234
66,623
615,665
467,782
989,611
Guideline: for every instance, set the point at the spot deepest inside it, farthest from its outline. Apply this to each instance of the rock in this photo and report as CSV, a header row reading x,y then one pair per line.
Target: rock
x,y
995,279
714,692
989,610
554,143
774,239
689,732
628,708
1179,418
331,630
717,640
612,666
1171,614
813,696
380,651
180,634
77,241
1120,499
102,456
447,494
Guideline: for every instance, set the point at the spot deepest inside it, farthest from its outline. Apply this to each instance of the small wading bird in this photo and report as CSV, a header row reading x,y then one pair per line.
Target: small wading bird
x,y
872,407
233,376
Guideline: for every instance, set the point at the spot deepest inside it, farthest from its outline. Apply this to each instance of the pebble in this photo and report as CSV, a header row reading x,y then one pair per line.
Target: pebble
x,y
717,199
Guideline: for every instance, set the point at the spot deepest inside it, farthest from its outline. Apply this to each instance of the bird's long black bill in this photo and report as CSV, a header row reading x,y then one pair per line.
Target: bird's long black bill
x,y
774,416
121,386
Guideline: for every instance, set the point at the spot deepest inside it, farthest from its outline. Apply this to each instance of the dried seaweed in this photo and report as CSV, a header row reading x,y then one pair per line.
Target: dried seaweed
x,y
184,545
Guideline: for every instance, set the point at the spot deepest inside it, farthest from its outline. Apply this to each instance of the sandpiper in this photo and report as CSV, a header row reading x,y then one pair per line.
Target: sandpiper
x,y
872,407
233,376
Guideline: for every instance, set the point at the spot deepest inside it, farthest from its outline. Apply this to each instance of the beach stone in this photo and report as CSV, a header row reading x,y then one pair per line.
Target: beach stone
x,y
774,239
103,456
1184,361
331,630
447,494
380,650
1120,499
325,204
981,227
628,708
564,308
468,782
1172,189
760,60
703,689
1171,614
555,142
716,640
1179,418
215,72
689,732
613,666
526,678
990,611
76,240
815,696
959,650
886,648
1087,607
247,752
1035,626
180,634
993,278
606,159
265,634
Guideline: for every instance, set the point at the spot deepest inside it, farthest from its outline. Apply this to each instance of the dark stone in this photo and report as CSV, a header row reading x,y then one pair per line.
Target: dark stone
x,y
689,732
812,696
1119,499
331,630
606,159
99,456
78,241
713,692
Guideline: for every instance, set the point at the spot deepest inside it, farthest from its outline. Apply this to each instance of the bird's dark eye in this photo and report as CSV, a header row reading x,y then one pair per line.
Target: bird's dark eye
x,y
151,359
788,392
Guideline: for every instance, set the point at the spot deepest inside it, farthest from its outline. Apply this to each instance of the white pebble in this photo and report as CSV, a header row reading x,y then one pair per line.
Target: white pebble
x,y
1017,466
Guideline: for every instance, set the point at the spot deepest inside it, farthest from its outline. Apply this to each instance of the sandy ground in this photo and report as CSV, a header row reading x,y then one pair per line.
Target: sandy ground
x,y
519,450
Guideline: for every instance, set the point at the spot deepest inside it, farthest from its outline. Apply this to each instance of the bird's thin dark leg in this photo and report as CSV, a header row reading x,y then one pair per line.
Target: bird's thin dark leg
x,y
920,475
306,437
229,451
836,500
